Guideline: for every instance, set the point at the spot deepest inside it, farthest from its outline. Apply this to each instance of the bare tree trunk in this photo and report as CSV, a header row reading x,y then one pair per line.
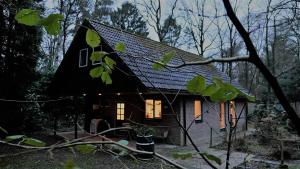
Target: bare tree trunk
x,y
267,51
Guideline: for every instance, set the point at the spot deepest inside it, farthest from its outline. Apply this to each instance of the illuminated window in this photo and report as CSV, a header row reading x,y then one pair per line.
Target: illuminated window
x,y
83,57
222,115
153,109
198,110
120,111
232,113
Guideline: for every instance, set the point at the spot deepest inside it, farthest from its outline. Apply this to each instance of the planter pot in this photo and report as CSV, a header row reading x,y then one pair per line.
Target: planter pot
x,y
145,143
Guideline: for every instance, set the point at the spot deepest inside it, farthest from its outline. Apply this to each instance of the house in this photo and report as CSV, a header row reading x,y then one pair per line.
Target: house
x,y
135,91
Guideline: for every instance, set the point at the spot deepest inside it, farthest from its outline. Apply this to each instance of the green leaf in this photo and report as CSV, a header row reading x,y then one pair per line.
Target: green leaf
x,y
2,129
28,17
14,137
92,38
210,90
34,142
52,23
122,151
85,148
165,59
96,72
212,158
120,47
69,164
106,78
196,85
157,66
218,81
224,94
250,98
123,142
97,56
168,56
110,62
182,156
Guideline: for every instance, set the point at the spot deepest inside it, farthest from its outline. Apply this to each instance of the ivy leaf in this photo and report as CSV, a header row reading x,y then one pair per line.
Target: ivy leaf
x,y
34,142
2,129
212,158
13,137
70,165
106,78
182,156
85,148
96,72
120,47
196,85
92,38
97,56
110,62
51,23
28,17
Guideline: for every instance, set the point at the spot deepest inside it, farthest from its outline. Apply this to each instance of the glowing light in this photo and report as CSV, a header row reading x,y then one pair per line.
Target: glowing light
x,y
118,94
99,94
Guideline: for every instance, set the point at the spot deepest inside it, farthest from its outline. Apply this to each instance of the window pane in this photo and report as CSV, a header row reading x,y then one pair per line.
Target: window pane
x,y
198,112
120,111
83,58
232,112
157,107
149,108
222,115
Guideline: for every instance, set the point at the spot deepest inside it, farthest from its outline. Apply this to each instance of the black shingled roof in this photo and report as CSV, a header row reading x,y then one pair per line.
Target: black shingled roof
x,y
138,48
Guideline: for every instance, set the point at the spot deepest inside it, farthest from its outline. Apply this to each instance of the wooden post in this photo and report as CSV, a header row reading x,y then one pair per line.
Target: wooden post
x,y
75,123
55,125
76,119
210,139
281,153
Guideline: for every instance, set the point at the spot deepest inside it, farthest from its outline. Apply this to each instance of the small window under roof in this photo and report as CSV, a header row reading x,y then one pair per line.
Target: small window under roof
x,y
83,57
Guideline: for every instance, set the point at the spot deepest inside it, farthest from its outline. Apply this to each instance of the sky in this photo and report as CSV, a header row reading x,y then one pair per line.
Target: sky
x,y
257,6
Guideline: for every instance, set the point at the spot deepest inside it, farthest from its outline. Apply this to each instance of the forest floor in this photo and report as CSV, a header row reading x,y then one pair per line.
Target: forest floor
x,y
97,160
265,152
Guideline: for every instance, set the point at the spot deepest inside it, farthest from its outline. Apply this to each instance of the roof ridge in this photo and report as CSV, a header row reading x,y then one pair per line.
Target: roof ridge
x,y
140,36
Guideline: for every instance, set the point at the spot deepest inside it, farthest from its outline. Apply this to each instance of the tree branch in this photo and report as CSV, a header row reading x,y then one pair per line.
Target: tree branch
x,y
254,58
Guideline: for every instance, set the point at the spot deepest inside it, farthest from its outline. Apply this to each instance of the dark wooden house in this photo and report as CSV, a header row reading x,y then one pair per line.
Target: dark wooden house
x,y
135,91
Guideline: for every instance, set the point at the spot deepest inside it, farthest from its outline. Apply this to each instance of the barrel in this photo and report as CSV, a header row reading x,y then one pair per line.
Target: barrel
x,y
145,143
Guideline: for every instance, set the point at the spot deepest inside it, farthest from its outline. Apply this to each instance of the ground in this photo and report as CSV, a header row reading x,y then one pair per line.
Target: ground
x,y
95,160
245,149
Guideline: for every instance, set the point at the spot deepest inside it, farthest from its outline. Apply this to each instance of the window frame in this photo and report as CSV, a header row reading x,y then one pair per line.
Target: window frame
x,y
120,114
197,120
153,109
86,59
